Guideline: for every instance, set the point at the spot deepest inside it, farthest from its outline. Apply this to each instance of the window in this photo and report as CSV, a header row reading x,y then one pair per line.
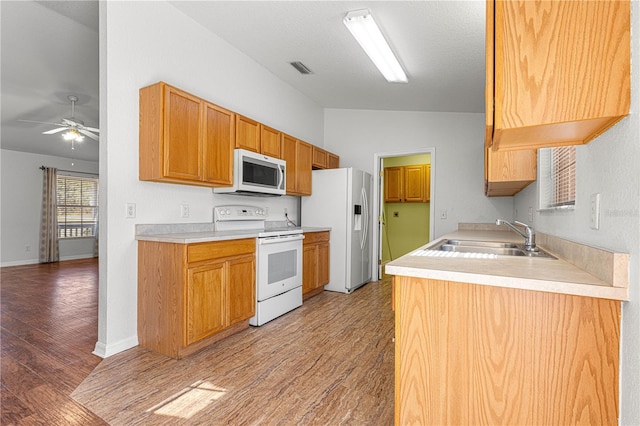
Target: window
x,y
557,177
77,199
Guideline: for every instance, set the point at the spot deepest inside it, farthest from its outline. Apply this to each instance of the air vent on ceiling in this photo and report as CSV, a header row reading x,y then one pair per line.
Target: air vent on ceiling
x,y
302,68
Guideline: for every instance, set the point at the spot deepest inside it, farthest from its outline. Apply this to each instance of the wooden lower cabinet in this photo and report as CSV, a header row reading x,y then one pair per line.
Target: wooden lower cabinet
x,y
477,354
315,263
191,295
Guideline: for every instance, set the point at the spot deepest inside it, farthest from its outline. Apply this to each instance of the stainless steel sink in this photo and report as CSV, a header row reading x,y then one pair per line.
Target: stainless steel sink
x,y
489,247
481,243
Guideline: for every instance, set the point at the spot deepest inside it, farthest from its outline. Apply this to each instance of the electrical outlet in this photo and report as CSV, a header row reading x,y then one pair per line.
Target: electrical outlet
x,y
27,248
594,210
130,211
184,210
530,214
443,214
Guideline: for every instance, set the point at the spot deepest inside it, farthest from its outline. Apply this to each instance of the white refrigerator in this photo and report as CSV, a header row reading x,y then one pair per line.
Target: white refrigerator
x,y
341,200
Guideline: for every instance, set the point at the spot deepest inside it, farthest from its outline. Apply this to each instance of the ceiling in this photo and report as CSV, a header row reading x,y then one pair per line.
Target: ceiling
x,y
50,50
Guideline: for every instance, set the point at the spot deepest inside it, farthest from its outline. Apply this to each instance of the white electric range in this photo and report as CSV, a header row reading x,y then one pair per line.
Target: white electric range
x,y
278,259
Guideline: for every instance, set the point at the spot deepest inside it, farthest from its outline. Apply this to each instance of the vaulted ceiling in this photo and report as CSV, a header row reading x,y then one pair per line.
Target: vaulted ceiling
x,y
50,51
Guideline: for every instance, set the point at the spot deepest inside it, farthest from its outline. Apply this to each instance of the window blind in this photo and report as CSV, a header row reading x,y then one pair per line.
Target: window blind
x,y
557,177
77,199
564,176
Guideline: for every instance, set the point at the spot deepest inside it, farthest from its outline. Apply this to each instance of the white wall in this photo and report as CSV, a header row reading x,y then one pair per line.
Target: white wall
x,y
21,190
142,43
610,166
457,169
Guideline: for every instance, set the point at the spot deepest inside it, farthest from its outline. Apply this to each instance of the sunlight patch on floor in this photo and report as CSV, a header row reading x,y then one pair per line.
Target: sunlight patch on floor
x,y
190,400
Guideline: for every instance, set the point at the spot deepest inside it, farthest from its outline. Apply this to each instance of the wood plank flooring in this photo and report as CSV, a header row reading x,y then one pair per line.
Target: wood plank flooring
x,y
49,327
328,362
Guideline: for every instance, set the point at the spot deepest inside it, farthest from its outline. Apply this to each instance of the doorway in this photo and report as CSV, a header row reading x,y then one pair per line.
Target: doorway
x,y
404,223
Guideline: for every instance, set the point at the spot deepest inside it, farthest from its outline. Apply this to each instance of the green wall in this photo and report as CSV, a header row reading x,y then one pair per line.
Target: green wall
x,y
410,229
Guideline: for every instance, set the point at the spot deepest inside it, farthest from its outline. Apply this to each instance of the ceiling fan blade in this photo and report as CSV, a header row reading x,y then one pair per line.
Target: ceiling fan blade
x,y
52,131
87,133
42,122
73,122
93,129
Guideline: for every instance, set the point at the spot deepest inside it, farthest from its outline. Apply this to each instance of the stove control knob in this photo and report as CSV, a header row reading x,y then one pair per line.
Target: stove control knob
x,y
227,211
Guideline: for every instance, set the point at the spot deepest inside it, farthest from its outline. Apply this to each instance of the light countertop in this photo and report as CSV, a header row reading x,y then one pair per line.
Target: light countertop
x,y
196,233
542,274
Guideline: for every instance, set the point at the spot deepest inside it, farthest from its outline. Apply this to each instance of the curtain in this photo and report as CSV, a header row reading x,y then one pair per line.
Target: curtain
x,y
49,251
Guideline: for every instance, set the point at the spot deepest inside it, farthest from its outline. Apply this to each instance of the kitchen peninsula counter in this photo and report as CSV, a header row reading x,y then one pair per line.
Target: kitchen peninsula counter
x,y
508,340
602,274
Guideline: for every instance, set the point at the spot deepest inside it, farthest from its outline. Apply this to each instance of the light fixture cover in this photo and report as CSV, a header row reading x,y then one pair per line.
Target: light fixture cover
x,y
363,27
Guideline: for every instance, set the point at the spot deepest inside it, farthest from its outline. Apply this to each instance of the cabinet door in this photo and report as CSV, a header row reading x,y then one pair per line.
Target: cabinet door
x,y
242,289
414,184
182,150
427,182
393,177
205,302
507,173
218,144
247,133
562,71
333,161
270,141
309,268
288,150
303,167
323,264
319,158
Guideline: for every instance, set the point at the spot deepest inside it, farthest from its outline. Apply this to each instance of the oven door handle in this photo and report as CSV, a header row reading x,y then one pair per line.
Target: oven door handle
x,y
279,240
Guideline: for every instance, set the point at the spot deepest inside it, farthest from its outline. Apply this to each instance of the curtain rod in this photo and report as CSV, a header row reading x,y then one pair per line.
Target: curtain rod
x,y
71,171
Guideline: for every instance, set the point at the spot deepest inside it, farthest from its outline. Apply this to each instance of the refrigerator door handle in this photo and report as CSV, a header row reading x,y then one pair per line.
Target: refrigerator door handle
x,y
365,225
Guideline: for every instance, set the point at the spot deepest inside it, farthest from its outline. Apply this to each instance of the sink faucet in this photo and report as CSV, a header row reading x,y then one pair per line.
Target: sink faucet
x,y
529,234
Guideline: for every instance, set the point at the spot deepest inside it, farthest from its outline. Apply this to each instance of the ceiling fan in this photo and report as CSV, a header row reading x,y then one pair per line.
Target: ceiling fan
x,y
75,129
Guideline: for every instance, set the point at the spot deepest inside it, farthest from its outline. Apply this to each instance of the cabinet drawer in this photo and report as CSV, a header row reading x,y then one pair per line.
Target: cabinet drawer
x,y
314,237
213,250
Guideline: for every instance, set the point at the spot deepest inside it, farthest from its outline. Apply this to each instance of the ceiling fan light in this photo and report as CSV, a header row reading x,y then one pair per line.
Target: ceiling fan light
x,y
72,135
364,29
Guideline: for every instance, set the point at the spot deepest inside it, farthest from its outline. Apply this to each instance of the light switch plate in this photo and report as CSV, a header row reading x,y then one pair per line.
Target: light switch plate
x,y
594,211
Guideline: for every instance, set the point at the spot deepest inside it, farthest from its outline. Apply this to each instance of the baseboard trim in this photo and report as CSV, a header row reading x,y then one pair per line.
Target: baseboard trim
x,y
104,350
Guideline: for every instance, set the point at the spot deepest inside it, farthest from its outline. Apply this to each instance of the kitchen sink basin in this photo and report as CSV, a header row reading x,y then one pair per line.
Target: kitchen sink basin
x,y
489,247
490,244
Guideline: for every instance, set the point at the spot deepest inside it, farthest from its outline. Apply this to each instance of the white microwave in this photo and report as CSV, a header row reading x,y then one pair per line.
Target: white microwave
x,y
256,174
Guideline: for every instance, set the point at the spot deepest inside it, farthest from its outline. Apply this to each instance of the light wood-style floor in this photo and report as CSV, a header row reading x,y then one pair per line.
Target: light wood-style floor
x,y
49,328
328,362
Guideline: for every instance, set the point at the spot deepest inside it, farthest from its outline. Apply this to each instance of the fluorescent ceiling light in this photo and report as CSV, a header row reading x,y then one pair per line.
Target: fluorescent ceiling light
x,y
367,33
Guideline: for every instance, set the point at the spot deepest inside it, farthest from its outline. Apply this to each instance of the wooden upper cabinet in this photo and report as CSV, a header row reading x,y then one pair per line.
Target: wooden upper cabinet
x,y
393,181
407,184
414,184
219,141
427,184
333,161
304,154
299,158
508,172
247,133
183,139
558,72
270,140
320,158
323,159
288,153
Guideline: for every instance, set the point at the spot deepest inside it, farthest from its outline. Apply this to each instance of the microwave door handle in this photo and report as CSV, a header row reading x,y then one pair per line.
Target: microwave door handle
x,y
281,177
